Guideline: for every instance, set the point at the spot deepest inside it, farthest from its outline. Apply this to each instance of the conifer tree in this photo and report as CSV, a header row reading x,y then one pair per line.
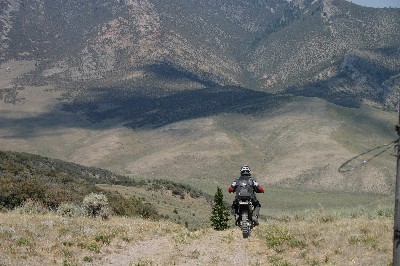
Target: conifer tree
x,y
220,214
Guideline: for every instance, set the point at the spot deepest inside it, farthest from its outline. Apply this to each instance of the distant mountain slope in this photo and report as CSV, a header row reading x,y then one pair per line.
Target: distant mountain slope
x,y
336,50
326,48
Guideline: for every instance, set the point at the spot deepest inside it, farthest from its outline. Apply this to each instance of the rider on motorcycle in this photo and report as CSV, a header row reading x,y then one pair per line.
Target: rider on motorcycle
x,y
245,174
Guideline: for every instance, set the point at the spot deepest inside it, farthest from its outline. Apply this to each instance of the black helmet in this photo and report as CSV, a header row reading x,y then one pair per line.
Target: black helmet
x,y
245,170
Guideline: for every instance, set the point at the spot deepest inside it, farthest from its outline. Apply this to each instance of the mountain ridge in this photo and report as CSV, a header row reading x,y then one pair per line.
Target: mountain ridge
x,y
264,45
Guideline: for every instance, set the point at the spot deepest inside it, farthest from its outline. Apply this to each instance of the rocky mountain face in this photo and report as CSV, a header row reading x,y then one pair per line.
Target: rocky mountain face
x,y
331,49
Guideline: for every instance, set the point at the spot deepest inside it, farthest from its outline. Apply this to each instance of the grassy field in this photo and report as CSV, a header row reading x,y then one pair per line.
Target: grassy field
x,y
314,239
277,203
182,209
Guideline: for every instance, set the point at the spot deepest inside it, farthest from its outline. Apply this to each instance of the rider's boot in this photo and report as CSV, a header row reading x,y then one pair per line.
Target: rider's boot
x,y
254,218
237,217
255,215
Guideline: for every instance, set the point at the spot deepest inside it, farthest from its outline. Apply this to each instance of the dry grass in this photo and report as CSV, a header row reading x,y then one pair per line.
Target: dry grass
x,y
192,212
328,240
54,240
314,239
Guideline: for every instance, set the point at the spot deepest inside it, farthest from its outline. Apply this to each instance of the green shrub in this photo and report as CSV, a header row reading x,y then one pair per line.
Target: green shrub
x,y
103,238
15,191
32,207
88,259
148,211
67,209
96,204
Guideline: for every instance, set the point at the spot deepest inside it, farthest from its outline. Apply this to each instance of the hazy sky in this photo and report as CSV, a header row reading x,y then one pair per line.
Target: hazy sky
x,y
377,3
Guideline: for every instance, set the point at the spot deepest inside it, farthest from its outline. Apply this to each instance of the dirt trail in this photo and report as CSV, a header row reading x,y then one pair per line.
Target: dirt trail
x,y
207,247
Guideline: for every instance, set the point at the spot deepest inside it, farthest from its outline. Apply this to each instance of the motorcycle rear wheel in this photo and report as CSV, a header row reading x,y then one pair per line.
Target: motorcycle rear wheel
x,y
244,225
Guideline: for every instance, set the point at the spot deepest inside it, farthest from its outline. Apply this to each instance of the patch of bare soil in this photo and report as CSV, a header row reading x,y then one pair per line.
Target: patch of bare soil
x,y
13,69
206,247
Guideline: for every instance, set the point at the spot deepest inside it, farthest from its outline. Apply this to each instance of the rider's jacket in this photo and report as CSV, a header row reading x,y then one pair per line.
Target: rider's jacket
x,y
257,188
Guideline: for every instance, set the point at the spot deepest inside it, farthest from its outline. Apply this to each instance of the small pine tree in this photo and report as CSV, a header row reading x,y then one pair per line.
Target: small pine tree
x,y
220,214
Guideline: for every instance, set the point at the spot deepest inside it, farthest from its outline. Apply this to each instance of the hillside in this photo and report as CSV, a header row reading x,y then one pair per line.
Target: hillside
x,y
314,239
190,91
290,142
331,49
52,183
296,227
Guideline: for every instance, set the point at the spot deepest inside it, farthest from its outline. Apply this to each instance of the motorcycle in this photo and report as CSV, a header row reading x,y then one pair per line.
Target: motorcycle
x,y
245,212
243,206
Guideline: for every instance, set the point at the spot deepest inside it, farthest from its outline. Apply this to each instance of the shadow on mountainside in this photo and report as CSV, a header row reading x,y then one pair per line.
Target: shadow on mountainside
x,y
135,107
169,71
27,125
329,91
153,107
359,79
